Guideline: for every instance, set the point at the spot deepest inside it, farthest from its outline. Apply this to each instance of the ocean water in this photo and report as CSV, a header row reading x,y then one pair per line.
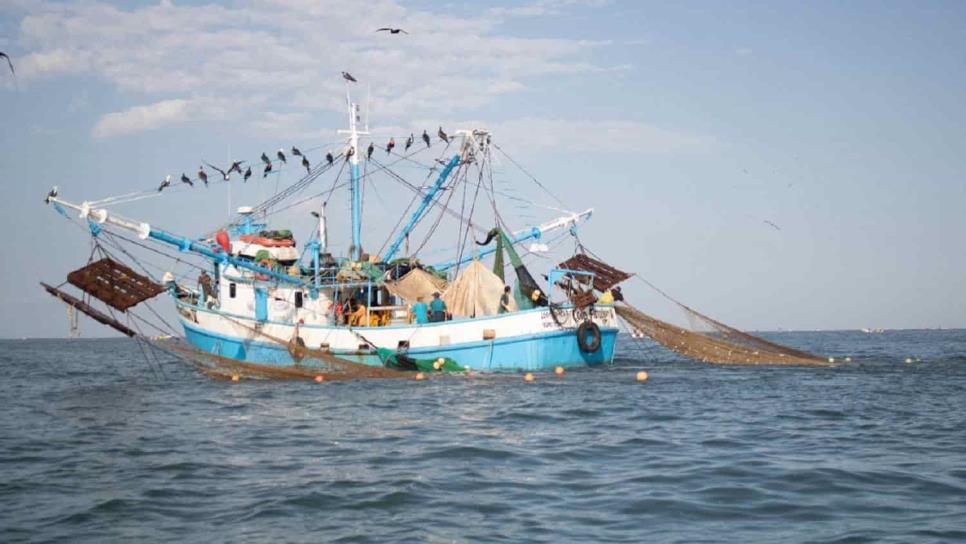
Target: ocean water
x,y
98,445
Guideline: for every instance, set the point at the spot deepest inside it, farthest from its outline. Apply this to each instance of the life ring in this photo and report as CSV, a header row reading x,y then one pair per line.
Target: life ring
x,y
265,263
592,344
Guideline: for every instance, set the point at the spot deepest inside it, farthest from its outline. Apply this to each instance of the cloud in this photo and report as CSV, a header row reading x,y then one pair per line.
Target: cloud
x,y
281,58
140,118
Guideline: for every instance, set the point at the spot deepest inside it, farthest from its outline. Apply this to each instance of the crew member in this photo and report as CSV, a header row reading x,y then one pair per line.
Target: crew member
x,y
505,300
437,308
420,311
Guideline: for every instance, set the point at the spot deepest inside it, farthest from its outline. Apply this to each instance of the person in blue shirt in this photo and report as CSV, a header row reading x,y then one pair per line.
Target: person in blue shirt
x,y
437,308
420,311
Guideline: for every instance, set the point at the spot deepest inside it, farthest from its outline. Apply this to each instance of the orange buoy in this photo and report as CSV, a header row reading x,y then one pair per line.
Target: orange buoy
x,y
420,376
559,371
235,377
642,376
528,377
320,378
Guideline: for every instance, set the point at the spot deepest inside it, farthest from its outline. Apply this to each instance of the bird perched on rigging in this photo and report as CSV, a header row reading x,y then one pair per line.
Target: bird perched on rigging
x,y
348,77
392,30
329,157
186,179
281,155
426,138
369,150
409,141
296,151
268,168
442,135
350,153
51,194
305,163
202,175
390,145
224,175
265,158
235,167
9,63
165,183
248,174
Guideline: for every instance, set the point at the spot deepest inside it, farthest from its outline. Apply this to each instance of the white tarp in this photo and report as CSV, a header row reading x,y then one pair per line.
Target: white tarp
x,y
475,292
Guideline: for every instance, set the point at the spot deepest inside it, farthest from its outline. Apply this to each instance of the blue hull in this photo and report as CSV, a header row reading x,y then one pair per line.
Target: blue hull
x,y
535,352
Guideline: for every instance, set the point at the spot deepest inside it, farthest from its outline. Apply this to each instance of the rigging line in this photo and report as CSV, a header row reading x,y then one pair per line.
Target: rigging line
x,y
535,180
439,218
178,260
469,220
306,199
338,175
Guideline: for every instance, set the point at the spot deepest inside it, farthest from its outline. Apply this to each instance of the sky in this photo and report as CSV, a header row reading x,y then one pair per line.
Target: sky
x,y
776,165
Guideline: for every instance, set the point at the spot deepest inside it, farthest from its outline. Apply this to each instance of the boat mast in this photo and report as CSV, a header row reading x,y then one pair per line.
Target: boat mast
x,y
355,250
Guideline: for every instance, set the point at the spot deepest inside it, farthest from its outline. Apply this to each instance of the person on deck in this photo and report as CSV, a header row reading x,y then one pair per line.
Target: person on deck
x,y
505,301
437,308
207,290
420,311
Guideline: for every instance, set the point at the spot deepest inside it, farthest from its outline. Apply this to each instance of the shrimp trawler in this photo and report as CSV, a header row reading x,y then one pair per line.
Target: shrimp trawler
x,y
262,299
263,303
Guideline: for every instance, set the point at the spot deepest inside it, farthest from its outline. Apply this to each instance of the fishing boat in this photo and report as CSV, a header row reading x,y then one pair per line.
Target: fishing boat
x,y
262,299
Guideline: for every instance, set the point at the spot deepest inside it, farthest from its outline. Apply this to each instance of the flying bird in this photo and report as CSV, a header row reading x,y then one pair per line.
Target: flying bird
x,y
202,175
224,175
392,30
305,163
281,156
442,135
315,214
165,183
265,158
248,174
772,225
409,141
10,64
390,145
426,138
186,179
369,150
329,157
348,77
268,168
296,151
235,167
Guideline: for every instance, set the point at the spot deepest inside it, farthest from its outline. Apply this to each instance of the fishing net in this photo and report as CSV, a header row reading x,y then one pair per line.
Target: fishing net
x,y
725,345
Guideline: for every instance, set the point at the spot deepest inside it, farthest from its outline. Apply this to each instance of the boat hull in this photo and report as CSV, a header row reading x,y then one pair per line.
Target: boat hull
x,y
520,341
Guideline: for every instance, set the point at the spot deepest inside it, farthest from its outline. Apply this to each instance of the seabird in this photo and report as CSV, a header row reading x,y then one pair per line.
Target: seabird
x,y
348,77
409,141
186,179
305,163
426,138
315,214
268,168
369,150
772,225
224,175
390,145
165,183
296,151
10,64
350,153
51,194
329,157
281,156
265,158
442,135
202,175
392,30
248,174
235,167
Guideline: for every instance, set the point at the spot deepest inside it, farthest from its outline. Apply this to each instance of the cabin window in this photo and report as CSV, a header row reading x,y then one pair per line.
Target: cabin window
x,y
298,299
231,290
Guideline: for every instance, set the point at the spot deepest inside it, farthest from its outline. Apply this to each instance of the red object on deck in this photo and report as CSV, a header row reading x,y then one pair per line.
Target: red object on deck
x,y
222,238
